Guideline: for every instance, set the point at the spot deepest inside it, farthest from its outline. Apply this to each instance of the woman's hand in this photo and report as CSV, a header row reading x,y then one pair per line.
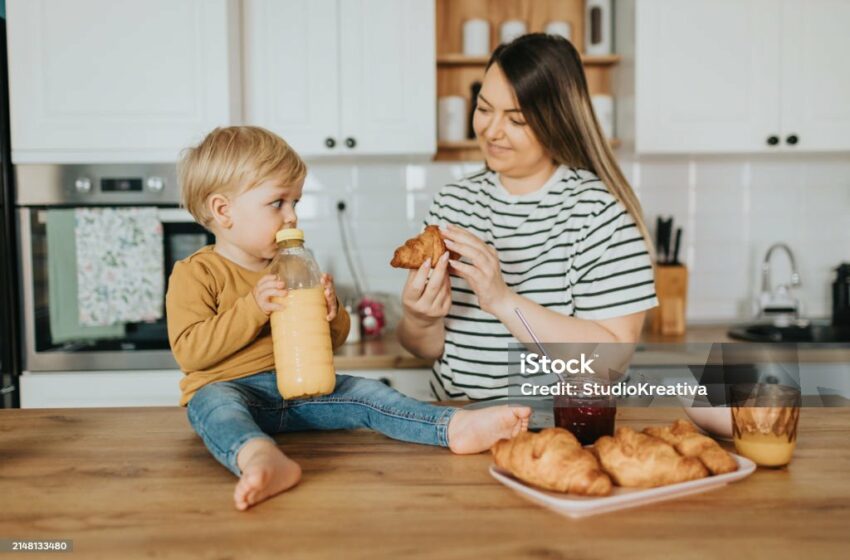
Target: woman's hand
x,y
427,299
483,271
330,296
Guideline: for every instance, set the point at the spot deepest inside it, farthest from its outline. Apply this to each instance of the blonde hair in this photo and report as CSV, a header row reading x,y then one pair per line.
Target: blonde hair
x,y
232,160
550,85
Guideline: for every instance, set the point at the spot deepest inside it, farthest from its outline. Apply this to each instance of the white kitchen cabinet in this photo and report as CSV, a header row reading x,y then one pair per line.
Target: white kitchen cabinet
x,y
291,82
816,74
84,389
342,77
720,76
110,81
73,389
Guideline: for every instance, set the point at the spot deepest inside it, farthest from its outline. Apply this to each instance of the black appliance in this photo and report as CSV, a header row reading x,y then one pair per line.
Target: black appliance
x,y
841,296
10,347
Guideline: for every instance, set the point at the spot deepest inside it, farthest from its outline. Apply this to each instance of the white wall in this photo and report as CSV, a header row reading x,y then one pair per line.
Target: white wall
x,y
731,208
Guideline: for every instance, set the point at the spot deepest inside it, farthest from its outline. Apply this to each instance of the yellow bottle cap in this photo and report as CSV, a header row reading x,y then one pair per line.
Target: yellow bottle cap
x,y
289,234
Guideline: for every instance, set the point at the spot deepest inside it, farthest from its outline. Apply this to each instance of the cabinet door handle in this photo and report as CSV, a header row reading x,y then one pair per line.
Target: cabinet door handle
x,y
350,142
330,142
792,139
772,140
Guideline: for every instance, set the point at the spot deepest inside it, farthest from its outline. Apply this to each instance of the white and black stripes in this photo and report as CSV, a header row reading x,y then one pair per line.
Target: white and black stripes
x,y
570,246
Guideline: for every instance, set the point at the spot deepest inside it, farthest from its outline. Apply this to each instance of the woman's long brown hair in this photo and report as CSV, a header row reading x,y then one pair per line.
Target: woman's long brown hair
x,y
551,89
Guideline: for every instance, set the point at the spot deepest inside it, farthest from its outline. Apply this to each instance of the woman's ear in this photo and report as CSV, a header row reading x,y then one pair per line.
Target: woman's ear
x,y
219,207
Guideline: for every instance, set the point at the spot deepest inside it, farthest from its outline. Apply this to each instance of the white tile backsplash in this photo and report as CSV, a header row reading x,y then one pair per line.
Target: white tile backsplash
x,y
732,208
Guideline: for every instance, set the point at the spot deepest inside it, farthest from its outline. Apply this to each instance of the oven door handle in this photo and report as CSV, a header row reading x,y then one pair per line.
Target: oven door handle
x,y
165,215
175,216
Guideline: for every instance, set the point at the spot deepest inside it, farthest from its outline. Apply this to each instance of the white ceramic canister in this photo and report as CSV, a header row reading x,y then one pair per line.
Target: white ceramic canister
x,y
451,118
476,37
512,29
560,28
597,27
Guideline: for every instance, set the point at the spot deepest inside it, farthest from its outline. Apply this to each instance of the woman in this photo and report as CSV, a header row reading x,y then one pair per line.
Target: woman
x,y
551,227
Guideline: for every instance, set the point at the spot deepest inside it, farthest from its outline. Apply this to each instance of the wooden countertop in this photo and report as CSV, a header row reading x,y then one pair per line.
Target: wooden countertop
x,y
386,352
693,334
126,483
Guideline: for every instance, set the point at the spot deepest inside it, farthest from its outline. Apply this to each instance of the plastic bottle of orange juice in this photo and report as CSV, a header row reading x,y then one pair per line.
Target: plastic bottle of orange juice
x,y
303,353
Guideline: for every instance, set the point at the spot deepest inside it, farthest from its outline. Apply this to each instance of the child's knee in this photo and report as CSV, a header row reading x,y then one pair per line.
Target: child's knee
x,y
365,389
213,397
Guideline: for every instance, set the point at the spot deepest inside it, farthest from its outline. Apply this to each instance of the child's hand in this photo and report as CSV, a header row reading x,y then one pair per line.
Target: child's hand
x,y
330,295
268,287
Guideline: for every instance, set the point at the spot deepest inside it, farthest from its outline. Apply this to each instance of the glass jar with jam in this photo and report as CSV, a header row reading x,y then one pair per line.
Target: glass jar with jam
x,y
586,408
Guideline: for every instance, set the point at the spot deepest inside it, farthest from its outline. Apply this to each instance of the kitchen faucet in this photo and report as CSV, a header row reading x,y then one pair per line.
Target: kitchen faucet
x,y
778,303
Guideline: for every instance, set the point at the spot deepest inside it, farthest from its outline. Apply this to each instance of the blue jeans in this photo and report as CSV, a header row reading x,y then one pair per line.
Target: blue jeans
x,y
227,414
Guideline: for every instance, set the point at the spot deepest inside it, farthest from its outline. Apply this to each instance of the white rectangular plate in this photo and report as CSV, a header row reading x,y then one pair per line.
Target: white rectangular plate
x,y
620,498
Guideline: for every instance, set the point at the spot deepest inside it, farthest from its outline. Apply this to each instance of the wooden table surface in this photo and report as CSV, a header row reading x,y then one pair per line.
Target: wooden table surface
x,y
127,483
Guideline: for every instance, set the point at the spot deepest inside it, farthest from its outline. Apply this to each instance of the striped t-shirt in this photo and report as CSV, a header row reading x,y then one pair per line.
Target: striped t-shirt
x,y
569,246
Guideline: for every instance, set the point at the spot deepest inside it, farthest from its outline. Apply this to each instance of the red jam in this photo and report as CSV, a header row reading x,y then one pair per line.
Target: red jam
x,y
588,419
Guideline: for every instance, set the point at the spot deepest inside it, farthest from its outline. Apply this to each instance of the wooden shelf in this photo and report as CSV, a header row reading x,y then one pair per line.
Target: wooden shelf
x,y
461,60
600,60
455,59
462,145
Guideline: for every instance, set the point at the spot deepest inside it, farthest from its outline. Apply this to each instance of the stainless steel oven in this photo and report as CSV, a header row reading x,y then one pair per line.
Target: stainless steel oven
x,y
41,188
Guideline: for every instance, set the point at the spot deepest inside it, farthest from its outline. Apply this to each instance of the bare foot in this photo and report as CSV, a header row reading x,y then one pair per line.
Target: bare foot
x,y
474,431
266,471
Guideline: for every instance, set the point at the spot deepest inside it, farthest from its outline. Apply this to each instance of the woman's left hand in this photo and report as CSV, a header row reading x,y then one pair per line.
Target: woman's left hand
x,y
482,272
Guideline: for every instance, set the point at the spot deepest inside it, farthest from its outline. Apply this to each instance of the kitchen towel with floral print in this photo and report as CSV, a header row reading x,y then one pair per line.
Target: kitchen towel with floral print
x,y
120,271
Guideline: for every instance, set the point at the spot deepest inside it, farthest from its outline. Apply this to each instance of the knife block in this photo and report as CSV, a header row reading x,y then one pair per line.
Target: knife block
x,y
671,287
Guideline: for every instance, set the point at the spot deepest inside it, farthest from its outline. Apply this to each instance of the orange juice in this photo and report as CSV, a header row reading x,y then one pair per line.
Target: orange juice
x,y
764,422
767,450
301,334
303,354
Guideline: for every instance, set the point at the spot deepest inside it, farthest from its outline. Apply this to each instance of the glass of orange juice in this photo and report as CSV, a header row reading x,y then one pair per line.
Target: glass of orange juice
x,y
764,422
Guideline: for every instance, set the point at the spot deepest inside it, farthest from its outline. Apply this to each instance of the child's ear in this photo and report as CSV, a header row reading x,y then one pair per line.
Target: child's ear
x,y
219,207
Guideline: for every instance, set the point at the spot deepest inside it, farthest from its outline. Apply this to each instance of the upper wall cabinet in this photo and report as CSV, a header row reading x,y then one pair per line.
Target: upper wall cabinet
x,y
338,77
815,81
106,81
716,76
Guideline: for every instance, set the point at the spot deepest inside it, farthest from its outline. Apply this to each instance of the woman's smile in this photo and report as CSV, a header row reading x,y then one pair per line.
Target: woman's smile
x,y
497,150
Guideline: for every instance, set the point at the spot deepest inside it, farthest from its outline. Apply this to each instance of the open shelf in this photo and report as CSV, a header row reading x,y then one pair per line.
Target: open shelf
x,y
457,72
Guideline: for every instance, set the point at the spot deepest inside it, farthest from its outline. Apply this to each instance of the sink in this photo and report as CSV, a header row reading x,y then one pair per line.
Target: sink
x,y
811,332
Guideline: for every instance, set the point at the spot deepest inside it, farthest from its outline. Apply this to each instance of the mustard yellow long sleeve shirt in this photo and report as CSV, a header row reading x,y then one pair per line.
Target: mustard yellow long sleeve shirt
x,y
216,329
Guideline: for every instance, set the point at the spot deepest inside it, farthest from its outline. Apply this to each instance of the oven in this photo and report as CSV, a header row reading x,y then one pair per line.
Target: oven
x,y
43,188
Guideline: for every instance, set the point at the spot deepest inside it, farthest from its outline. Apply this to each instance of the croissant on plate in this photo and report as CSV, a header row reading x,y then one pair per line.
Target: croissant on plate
x,y
689,442
640,460
427,245
552,459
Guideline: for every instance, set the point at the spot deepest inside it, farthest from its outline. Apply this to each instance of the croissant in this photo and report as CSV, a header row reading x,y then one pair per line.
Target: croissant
x,y
639,460
427,245
689,442
552,459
